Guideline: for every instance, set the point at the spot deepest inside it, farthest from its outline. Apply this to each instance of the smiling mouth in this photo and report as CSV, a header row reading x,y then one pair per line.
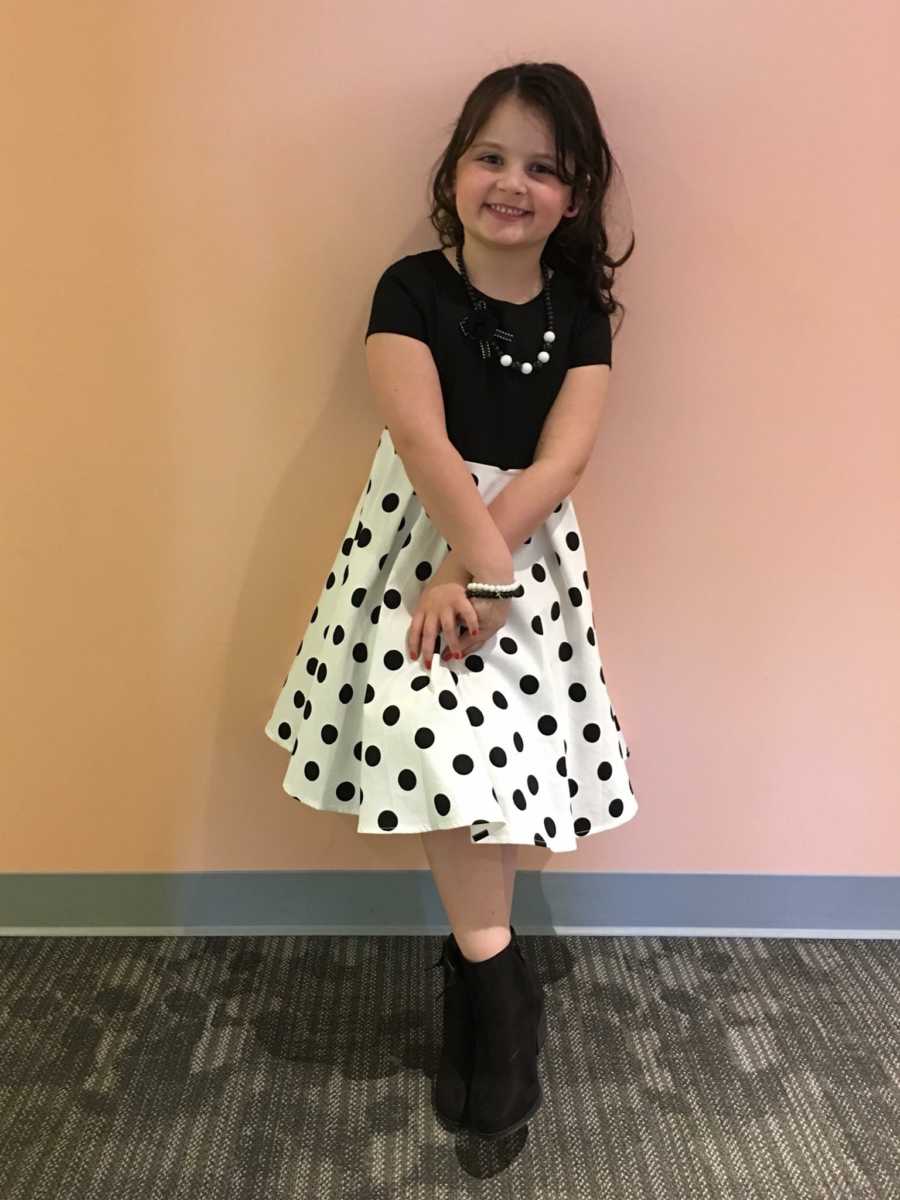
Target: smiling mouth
x,y
522,212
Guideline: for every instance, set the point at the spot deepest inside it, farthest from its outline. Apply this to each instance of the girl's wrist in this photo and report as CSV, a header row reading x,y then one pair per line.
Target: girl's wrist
x,y
460,570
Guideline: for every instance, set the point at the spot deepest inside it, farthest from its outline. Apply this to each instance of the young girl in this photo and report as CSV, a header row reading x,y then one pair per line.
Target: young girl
x,y
448,683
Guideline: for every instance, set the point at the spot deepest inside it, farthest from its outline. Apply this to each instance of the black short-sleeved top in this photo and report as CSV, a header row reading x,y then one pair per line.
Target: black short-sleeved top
x,y
493,414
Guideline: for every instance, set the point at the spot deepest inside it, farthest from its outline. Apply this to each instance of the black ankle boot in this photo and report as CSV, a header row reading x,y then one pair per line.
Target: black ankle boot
x,y
510,1029
451,1082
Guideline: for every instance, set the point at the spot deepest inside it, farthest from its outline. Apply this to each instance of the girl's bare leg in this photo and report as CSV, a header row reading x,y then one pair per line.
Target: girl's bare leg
x,y
475,882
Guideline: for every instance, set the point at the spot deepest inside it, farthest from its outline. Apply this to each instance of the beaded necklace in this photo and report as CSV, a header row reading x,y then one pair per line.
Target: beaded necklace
x,y
483,324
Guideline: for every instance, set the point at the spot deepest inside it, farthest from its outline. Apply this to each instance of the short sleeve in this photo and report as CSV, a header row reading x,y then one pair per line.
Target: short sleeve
x,y
397,307
591,337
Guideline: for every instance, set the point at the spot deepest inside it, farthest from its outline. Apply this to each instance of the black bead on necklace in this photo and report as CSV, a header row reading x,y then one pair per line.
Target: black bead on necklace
x,y
483,325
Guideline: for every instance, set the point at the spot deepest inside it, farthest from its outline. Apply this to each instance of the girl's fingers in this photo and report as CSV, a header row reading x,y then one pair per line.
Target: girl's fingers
x,y
418,637
423,632
451,637
453,641
412,637
466,645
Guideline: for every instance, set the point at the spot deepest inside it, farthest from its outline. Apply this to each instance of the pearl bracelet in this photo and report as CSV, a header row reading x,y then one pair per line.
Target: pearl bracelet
x,y
494,591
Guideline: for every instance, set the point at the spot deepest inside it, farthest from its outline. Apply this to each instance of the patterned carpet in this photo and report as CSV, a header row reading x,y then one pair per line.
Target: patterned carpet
x,y
211,1068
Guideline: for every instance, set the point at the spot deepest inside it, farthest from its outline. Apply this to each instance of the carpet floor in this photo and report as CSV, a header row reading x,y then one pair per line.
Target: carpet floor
x,y
286,1067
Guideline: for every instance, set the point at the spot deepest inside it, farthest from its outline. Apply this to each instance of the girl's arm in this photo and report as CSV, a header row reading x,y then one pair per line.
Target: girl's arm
x,y
407,390
452,502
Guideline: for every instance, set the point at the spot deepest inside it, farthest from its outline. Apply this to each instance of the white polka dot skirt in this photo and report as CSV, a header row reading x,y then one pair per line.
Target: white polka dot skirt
x,y
518,741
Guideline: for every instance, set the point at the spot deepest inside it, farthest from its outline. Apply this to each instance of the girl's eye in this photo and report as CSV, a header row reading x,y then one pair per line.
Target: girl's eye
x,y
543,167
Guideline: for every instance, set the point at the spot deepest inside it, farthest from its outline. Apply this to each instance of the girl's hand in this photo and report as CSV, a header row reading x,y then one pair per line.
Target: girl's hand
x,y
479,619
442,608
492,616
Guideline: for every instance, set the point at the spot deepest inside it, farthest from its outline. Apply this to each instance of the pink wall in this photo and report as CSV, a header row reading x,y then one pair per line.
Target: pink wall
x,y
199,201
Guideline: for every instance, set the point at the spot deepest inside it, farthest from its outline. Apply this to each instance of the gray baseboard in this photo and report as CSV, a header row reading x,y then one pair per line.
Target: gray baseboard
x,y
261,903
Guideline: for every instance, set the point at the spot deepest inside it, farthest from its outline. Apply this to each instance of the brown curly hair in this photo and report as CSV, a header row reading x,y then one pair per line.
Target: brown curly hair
x,y
579,246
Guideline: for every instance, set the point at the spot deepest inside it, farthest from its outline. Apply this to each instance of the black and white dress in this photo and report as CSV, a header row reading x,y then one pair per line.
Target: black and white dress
x,y
519,740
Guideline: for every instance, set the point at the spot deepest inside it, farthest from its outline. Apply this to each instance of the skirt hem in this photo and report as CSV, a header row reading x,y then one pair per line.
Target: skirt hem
x,y
497,832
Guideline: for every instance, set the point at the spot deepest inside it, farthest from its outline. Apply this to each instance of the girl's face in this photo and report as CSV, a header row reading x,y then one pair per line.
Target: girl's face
x,y
519,171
